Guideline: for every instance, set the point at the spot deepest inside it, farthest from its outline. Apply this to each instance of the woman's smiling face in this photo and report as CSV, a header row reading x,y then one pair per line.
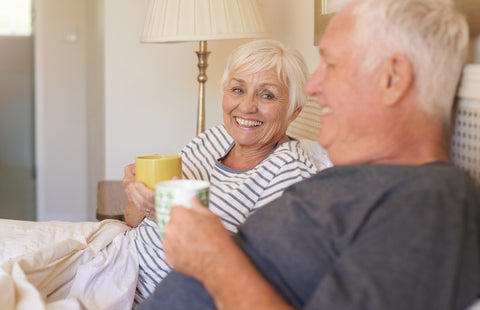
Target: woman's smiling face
x,y
255,108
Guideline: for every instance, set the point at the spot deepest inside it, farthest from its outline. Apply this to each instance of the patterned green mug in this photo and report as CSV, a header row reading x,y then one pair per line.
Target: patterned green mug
x,y
175,193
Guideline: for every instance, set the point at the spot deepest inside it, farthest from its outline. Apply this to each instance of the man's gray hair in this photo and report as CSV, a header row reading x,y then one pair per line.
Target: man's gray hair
x,y
261,55
431,33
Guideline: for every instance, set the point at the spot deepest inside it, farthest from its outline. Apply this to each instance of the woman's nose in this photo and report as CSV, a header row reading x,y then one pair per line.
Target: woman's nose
x,y
248,104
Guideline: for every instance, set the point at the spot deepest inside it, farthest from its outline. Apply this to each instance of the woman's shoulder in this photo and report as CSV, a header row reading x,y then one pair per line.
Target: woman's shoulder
x,y
215,138
218,130
303,151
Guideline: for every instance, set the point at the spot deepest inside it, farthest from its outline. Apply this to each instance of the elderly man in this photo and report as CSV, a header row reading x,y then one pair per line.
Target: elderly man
x,y
394,225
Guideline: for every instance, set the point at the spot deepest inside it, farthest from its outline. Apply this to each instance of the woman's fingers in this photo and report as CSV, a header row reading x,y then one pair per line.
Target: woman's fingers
x,y
143,198
129,178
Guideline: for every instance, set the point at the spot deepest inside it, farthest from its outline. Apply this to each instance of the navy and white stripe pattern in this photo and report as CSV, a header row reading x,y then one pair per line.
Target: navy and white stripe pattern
x,y
234,194
152,264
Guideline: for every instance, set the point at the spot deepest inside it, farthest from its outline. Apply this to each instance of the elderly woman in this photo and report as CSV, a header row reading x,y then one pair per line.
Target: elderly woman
x,y
249,160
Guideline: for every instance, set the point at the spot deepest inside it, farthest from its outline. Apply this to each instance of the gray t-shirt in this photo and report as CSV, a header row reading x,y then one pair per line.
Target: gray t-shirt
x,y
361,237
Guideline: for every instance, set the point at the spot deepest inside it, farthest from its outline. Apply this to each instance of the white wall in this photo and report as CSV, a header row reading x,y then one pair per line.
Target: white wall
x,y
60,114
150,90
292,23
95,104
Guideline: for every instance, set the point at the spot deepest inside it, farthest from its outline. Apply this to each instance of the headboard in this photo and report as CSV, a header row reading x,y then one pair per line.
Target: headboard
x,y
465,141
307,124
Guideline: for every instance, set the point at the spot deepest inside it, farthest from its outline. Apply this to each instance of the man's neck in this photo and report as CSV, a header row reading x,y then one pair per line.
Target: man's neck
x,y
399,145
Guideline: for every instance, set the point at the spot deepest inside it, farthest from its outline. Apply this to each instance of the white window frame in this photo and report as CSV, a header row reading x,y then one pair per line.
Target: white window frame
x,y
15,17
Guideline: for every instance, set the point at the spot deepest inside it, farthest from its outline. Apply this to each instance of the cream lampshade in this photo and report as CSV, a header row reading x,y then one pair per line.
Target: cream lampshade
x,y
169,21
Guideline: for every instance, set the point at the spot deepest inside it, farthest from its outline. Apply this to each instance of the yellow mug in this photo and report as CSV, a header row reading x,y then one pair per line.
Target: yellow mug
x,y
156,168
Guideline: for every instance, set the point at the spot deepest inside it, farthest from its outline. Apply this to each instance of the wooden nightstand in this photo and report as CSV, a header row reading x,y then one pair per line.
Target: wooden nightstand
x,y
111,200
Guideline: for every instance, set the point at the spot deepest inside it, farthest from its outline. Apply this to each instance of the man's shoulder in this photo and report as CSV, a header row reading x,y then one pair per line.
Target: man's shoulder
x,y
357,194
367,179
392,173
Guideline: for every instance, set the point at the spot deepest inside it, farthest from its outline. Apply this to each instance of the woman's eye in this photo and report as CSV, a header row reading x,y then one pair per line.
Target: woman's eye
x,y
237,90
268,96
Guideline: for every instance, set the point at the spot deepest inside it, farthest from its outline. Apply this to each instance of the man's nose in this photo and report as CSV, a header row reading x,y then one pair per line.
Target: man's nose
x,y
314,85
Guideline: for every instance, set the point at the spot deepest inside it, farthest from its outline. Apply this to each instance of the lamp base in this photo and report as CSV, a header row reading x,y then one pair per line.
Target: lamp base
x,y
202,78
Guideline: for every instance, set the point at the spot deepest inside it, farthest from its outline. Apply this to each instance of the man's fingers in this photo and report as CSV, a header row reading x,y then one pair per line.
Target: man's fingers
x,y
196,203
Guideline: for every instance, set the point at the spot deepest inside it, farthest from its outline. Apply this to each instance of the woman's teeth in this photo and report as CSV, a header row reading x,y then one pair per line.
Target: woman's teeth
x,y
247,123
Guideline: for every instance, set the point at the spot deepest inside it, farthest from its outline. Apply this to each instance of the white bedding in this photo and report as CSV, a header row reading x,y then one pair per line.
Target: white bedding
x,y
64,265
87,265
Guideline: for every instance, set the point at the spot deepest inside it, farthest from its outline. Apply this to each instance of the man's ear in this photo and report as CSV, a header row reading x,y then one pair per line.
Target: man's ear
x,y
396,79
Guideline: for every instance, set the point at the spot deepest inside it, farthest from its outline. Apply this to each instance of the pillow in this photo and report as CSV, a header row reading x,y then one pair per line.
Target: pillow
x,y
317,153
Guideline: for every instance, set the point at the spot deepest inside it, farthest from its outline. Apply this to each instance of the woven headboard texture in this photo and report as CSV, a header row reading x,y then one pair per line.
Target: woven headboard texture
x,y
307,124
465,142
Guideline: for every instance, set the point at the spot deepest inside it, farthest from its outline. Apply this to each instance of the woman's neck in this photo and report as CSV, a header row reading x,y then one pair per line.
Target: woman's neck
x,y
243,158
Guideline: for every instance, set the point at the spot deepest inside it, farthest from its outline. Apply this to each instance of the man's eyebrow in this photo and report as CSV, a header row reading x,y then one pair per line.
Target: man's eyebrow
x,y
323,53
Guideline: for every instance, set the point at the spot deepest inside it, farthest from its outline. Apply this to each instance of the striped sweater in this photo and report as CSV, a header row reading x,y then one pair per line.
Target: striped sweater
x,y
234,194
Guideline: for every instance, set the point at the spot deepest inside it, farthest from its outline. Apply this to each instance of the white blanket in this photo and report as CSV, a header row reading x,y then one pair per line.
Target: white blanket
x,y
64,265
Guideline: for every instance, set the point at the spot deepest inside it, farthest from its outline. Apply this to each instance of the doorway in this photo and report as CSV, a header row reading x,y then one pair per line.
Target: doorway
x,y
17,147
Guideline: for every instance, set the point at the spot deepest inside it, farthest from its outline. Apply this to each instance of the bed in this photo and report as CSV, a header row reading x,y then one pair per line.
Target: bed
x,y
63,265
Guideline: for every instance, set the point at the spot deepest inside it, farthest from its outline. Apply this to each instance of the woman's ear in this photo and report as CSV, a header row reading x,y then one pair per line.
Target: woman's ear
x,y
294,114
396,79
